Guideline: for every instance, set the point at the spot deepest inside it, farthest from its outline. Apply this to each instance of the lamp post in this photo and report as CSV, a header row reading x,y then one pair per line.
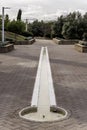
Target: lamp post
x,y
27,22
3,35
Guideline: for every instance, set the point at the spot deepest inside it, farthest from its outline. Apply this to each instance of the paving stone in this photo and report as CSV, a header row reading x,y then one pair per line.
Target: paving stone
x,y
17,76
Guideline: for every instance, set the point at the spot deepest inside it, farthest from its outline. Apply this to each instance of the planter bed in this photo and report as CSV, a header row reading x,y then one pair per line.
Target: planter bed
x,y
6,48
81,48
64,42
26,42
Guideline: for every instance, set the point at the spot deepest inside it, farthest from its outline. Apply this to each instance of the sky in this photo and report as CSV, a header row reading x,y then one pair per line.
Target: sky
x,y
42,9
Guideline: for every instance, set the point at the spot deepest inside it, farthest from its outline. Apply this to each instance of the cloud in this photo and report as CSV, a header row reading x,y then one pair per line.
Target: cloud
x,y
43,9
33,11
55,15
59,12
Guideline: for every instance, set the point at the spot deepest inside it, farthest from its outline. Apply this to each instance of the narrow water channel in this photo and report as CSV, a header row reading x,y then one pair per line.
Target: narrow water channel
x,y
43,111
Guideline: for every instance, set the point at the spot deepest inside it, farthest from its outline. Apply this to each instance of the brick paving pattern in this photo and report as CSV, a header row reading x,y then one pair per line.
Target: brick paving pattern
x,y
17,75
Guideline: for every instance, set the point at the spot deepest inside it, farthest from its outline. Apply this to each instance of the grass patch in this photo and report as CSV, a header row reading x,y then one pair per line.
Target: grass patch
x,y
9,36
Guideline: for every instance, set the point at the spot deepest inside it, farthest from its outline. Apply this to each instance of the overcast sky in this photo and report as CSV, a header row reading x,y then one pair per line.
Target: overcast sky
x,y
42,9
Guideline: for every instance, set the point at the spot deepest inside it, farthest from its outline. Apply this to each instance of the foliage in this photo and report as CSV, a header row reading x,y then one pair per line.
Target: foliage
x,y
16,26
48,28
37,28
19,15
58,27
27,34
6,21
85,36
69,30
72,26
41,28
0,22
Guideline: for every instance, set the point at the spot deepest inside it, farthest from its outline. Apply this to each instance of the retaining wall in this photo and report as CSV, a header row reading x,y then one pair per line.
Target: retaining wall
x,y
6,48
65,42
27,42
81,48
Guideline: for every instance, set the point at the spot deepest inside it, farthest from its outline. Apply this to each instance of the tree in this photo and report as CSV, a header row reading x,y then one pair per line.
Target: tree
x,y
0,27
16,26
37,28
80,25
57,27
73,27
69,31
85,22
48,29
85,36
0,22
41,28
19,15
6,21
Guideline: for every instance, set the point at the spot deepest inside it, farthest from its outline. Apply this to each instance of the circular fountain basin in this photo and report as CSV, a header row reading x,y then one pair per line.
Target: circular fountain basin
x,y
32,114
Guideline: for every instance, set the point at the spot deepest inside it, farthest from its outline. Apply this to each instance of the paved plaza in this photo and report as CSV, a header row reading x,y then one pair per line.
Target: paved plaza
x,y
17,76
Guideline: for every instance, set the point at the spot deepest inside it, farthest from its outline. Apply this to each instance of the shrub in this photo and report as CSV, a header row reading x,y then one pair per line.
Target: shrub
x,y
85,37
27,34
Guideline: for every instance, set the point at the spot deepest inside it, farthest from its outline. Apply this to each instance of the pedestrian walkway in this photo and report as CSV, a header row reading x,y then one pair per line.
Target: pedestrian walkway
x,y
17,76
